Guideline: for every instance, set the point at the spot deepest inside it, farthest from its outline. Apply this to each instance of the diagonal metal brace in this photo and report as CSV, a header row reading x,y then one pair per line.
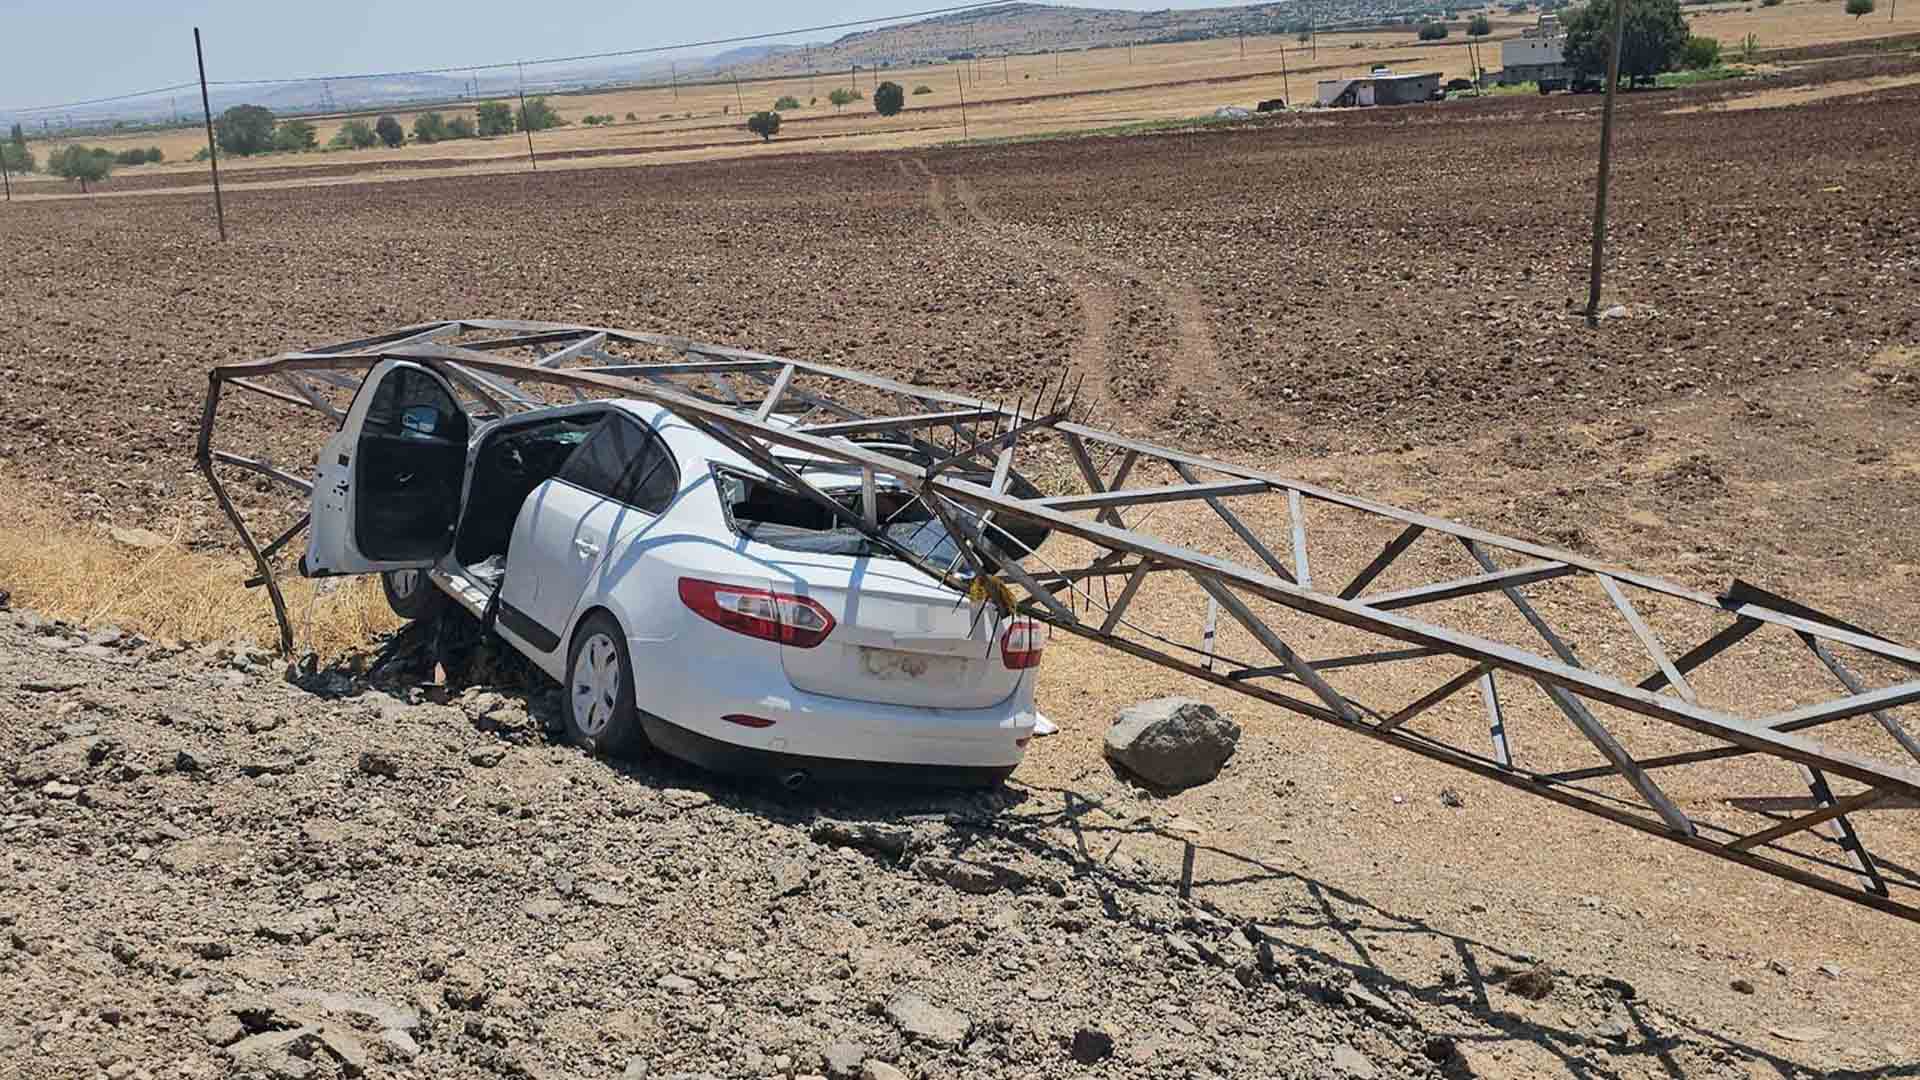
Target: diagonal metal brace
x,y
1300,668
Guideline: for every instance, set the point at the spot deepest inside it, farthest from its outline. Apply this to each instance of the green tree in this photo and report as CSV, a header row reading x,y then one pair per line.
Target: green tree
x,y
1433,31
764,124
889,98
132,156
840,96
154,155
18,158
1857,8
459,127
496,118
82,163
786,103
294,136
244,130
354,135
1700,53
429,127
536,115
922,89
390,131
1651,39
1479,26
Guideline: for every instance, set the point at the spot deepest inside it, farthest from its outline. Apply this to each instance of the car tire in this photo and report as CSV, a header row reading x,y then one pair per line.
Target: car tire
x,y
412,595
599,707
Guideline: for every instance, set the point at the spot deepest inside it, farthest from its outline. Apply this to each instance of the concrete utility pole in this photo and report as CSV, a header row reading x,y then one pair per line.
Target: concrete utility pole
x,y
1606,164
963,105
213,152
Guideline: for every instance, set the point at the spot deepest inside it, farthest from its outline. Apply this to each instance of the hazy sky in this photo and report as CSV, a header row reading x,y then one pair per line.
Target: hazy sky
x,y
67,50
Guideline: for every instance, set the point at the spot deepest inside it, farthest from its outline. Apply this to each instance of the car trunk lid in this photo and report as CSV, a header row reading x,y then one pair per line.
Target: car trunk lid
x,y
899,639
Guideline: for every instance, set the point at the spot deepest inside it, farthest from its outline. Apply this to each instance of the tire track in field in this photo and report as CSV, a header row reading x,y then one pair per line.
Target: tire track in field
x,y
1091,352
936,193
1198,376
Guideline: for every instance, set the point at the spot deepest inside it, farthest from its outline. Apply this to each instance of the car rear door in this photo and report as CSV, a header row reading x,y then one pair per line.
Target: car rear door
x,y
387,494
618,480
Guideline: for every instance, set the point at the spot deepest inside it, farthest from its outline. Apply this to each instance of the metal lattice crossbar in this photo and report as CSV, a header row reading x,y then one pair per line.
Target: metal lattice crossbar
x,y
1267,550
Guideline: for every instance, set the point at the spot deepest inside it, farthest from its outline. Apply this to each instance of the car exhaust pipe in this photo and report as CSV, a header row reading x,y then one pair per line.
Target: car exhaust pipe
x,y
795,779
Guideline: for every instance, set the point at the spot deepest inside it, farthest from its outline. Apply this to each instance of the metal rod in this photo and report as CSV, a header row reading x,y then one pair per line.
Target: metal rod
x,y
213,152
962,83
1606,165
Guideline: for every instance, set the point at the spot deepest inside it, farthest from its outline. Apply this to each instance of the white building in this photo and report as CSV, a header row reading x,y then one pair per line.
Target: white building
x,y
1536,55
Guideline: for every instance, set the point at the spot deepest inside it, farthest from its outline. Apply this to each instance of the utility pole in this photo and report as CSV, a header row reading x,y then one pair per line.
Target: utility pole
x,y
963,105
1606,165
524,126
1286,83
213,152
1006,79
6,177
737,99
673,77
1243,44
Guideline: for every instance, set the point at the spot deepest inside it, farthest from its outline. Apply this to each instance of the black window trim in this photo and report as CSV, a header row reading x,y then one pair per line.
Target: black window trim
x,y
649,433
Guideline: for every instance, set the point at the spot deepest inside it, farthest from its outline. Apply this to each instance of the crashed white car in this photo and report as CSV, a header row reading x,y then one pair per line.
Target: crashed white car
x,y
682,596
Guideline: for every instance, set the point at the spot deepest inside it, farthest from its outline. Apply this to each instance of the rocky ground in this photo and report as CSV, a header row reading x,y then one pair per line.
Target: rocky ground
x,y
213,870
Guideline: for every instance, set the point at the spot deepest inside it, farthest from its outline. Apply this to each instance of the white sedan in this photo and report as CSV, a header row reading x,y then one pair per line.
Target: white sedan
x,y
682,596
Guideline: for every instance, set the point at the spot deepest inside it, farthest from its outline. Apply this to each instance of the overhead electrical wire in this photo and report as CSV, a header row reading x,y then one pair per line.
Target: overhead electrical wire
x,y
457,68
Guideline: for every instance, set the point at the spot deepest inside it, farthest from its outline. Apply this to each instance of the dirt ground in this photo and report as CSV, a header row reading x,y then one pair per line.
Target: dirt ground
x,y
1386,302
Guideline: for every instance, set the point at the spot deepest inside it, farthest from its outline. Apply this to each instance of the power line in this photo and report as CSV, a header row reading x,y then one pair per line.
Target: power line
x,y
516,63
636,52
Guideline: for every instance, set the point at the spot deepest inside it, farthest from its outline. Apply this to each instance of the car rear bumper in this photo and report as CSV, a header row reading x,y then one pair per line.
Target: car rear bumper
x,y
734,759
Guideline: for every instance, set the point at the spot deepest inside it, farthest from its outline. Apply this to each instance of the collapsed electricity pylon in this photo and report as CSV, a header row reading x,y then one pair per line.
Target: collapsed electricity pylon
x,y
1682,744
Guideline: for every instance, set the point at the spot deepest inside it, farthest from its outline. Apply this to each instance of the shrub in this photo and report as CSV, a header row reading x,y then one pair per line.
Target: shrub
x,y
355,135
536,115
244,130
201,154
1857,8
591,120
1433,31
1770,3
495,117
889,98
82,163
786,103
841,96
155,155
633,116
1654,36
135,156
1700,53
1479,26
18,158
390,131
429,127
294,135
923,88
459,127
764,124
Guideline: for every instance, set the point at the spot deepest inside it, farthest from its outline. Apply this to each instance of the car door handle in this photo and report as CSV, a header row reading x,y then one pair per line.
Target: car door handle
x,y
586,547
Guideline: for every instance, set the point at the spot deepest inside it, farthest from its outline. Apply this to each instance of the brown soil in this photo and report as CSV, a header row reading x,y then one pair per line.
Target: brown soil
x,y
1386,301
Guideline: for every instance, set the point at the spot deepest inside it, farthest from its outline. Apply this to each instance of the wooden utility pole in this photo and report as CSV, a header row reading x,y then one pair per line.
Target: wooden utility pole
x,y
739,101
213,152
524,125
1286,83
1606,164
5,176
673,77
963,106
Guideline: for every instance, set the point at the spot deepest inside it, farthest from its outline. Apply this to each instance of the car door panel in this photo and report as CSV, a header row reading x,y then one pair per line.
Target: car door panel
x,y
387,494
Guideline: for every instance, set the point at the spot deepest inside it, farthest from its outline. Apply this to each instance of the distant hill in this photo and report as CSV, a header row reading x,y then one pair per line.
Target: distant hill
x,y
1034,28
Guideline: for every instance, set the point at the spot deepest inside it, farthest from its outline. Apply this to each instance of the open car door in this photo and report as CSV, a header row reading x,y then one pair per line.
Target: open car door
x,y
388,492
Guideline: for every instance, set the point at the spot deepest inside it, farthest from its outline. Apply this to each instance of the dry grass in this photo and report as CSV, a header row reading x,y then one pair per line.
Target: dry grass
x,y
75,571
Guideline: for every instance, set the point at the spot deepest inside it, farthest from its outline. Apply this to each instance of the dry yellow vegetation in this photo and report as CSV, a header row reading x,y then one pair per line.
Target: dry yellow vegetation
x,y
64,569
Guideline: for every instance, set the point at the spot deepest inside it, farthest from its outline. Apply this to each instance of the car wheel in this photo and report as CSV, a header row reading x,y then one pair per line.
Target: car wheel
x,y
600,709
412,595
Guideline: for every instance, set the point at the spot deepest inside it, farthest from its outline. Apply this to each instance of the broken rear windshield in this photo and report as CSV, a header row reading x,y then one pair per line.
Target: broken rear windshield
x,y
772,514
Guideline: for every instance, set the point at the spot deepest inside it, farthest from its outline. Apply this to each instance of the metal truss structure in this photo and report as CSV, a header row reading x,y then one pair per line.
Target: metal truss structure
x,y
1681,743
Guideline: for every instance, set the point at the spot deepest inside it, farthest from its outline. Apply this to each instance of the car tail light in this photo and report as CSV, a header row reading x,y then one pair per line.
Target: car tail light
x,y
1021,645
782,617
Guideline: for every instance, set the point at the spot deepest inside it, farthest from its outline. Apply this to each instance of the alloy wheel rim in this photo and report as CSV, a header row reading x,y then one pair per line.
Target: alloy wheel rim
x,y
596,685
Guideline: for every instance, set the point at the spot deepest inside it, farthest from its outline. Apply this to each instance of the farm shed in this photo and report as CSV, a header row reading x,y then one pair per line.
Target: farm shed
x,y
1380,87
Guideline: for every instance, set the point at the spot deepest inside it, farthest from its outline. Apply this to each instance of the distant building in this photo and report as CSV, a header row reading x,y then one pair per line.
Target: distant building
x,y
1536,55
1379,87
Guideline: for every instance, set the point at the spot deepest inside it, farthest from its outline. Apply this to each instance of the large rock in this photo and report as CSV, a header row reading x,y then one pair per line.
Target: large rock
x,y
917,1018
1172,742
